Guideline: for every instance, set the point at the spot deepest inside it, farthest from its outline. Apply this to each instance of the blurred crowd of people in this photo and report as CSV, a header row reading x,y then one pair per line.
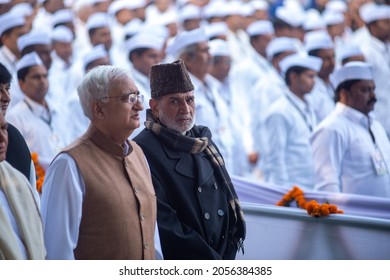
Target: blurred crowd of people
x,y
235,53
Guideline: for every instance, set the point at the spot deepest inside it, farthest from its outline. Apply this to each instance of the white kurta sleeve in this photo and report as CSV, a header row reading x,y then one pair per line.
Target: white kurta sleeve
x,y
61,206
328,150
275,143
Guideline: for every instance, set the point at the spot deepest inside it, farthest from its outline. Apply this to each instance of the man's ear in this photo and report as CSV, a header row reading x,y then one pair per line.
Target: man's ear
x,y
153,104
97,109
344,96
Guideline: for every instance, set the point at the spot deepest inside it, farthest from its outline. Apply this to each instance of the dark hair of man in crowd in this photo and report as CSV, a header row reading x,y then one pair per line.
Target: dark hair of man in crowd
x,y
278,23
23,72
344,85
314,52
128,36
137,52
294,69
5,75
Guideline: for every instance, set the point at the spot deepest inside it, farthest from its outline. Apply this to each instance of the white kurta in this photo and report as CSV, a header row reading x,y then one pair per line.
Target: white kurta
x,y
45,132
287,156
267,90
238,45
59,81
8,59
343,150
377,54
211,111
80,122
235,155
143,84
321,99
62,200
244,77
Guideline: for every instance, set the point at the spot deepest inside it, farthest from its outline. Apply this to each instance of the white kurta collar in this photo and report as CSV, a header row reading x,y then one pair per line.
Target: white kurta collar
x,y
8,54
354,115
39,110
302,105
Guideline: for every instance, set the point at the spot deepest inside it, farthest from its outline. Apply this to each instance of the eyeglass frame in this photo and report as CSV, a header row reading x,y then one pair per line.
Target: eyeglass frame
x,y
135,95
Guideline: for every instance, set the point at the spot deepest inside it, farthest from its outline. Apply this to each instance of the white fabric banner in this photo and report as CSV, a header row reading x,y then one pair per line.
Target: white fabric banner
x,y
289,233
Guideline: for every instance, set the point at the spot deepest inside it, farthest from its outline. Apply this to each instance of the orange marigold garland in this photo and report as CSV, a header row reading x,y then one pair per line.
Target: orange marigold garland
x,y
40,172
312,207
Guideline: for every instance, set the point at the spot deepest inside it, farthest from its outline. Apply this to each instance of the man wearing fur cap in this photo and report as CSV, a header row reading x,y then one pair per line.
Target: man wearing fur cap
x,y
198,212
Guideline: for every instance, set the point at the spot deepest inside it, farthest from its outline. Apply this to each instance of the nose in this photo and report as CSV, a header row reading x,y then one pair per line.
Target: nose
x,y
372,93
5,95
138,105
184,107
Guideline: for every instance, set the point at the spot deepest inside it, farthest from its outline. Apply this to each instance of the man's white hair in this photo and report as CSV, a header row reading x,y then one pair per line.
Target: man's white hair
x,y
96,85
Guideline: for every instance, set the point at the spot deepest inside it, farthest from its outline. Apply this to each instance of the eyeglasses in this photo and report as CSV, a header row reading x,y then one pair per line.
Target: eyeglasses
x,y
131,97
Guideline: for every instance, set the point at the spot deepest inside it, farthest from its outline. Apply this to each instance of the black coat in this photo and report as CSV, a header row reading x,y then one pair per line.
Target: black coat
x,y
192,210
18,154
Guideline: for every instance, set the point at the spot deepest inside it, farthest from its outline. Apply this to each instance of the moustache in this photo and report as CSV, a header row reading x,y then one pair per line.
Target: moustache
x,y
371,101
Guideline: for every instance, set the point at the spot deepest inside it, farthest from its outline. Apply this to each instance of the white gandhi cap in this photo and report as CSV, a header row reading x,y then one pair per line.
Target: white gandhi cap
x,y
354,70
371,12
301,60
34,37
145,40
219,47
186,38
260,27
10,20
28,60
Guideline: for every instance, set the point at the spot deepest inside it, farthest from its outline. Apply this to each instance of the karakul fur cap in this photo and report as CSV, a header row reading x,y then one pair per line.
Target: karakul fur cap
x,y
168,78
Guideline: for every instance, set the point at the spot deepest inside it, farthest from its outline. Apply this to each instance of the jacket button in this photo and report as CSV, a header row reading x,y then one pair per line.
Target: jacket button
x,y
207,215
146,245
199,189
220,212
142,217
215,186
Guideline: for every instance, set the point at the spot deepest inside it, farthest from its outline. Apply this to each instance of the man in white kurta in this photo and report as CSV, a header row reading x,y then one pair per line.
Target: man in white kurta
x,y
351,149
43,127
376,50
234,107
143,50
287,156
97,56
319,44
247,72
268,89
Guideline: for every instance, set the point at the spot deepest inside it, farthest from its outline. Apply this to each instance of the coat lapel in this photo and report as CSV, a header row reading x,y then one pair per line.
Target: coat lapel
x,y
183,162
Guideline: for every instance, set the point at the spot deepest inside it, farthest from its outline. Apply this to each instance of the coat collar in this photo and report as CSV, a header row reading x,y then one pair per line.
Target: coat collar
x,y
201,173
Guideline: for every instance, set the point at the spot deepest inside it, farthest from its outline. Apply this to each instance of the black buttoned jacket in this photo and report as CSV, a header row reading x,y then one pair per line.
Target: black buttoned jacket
x,y
192,209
